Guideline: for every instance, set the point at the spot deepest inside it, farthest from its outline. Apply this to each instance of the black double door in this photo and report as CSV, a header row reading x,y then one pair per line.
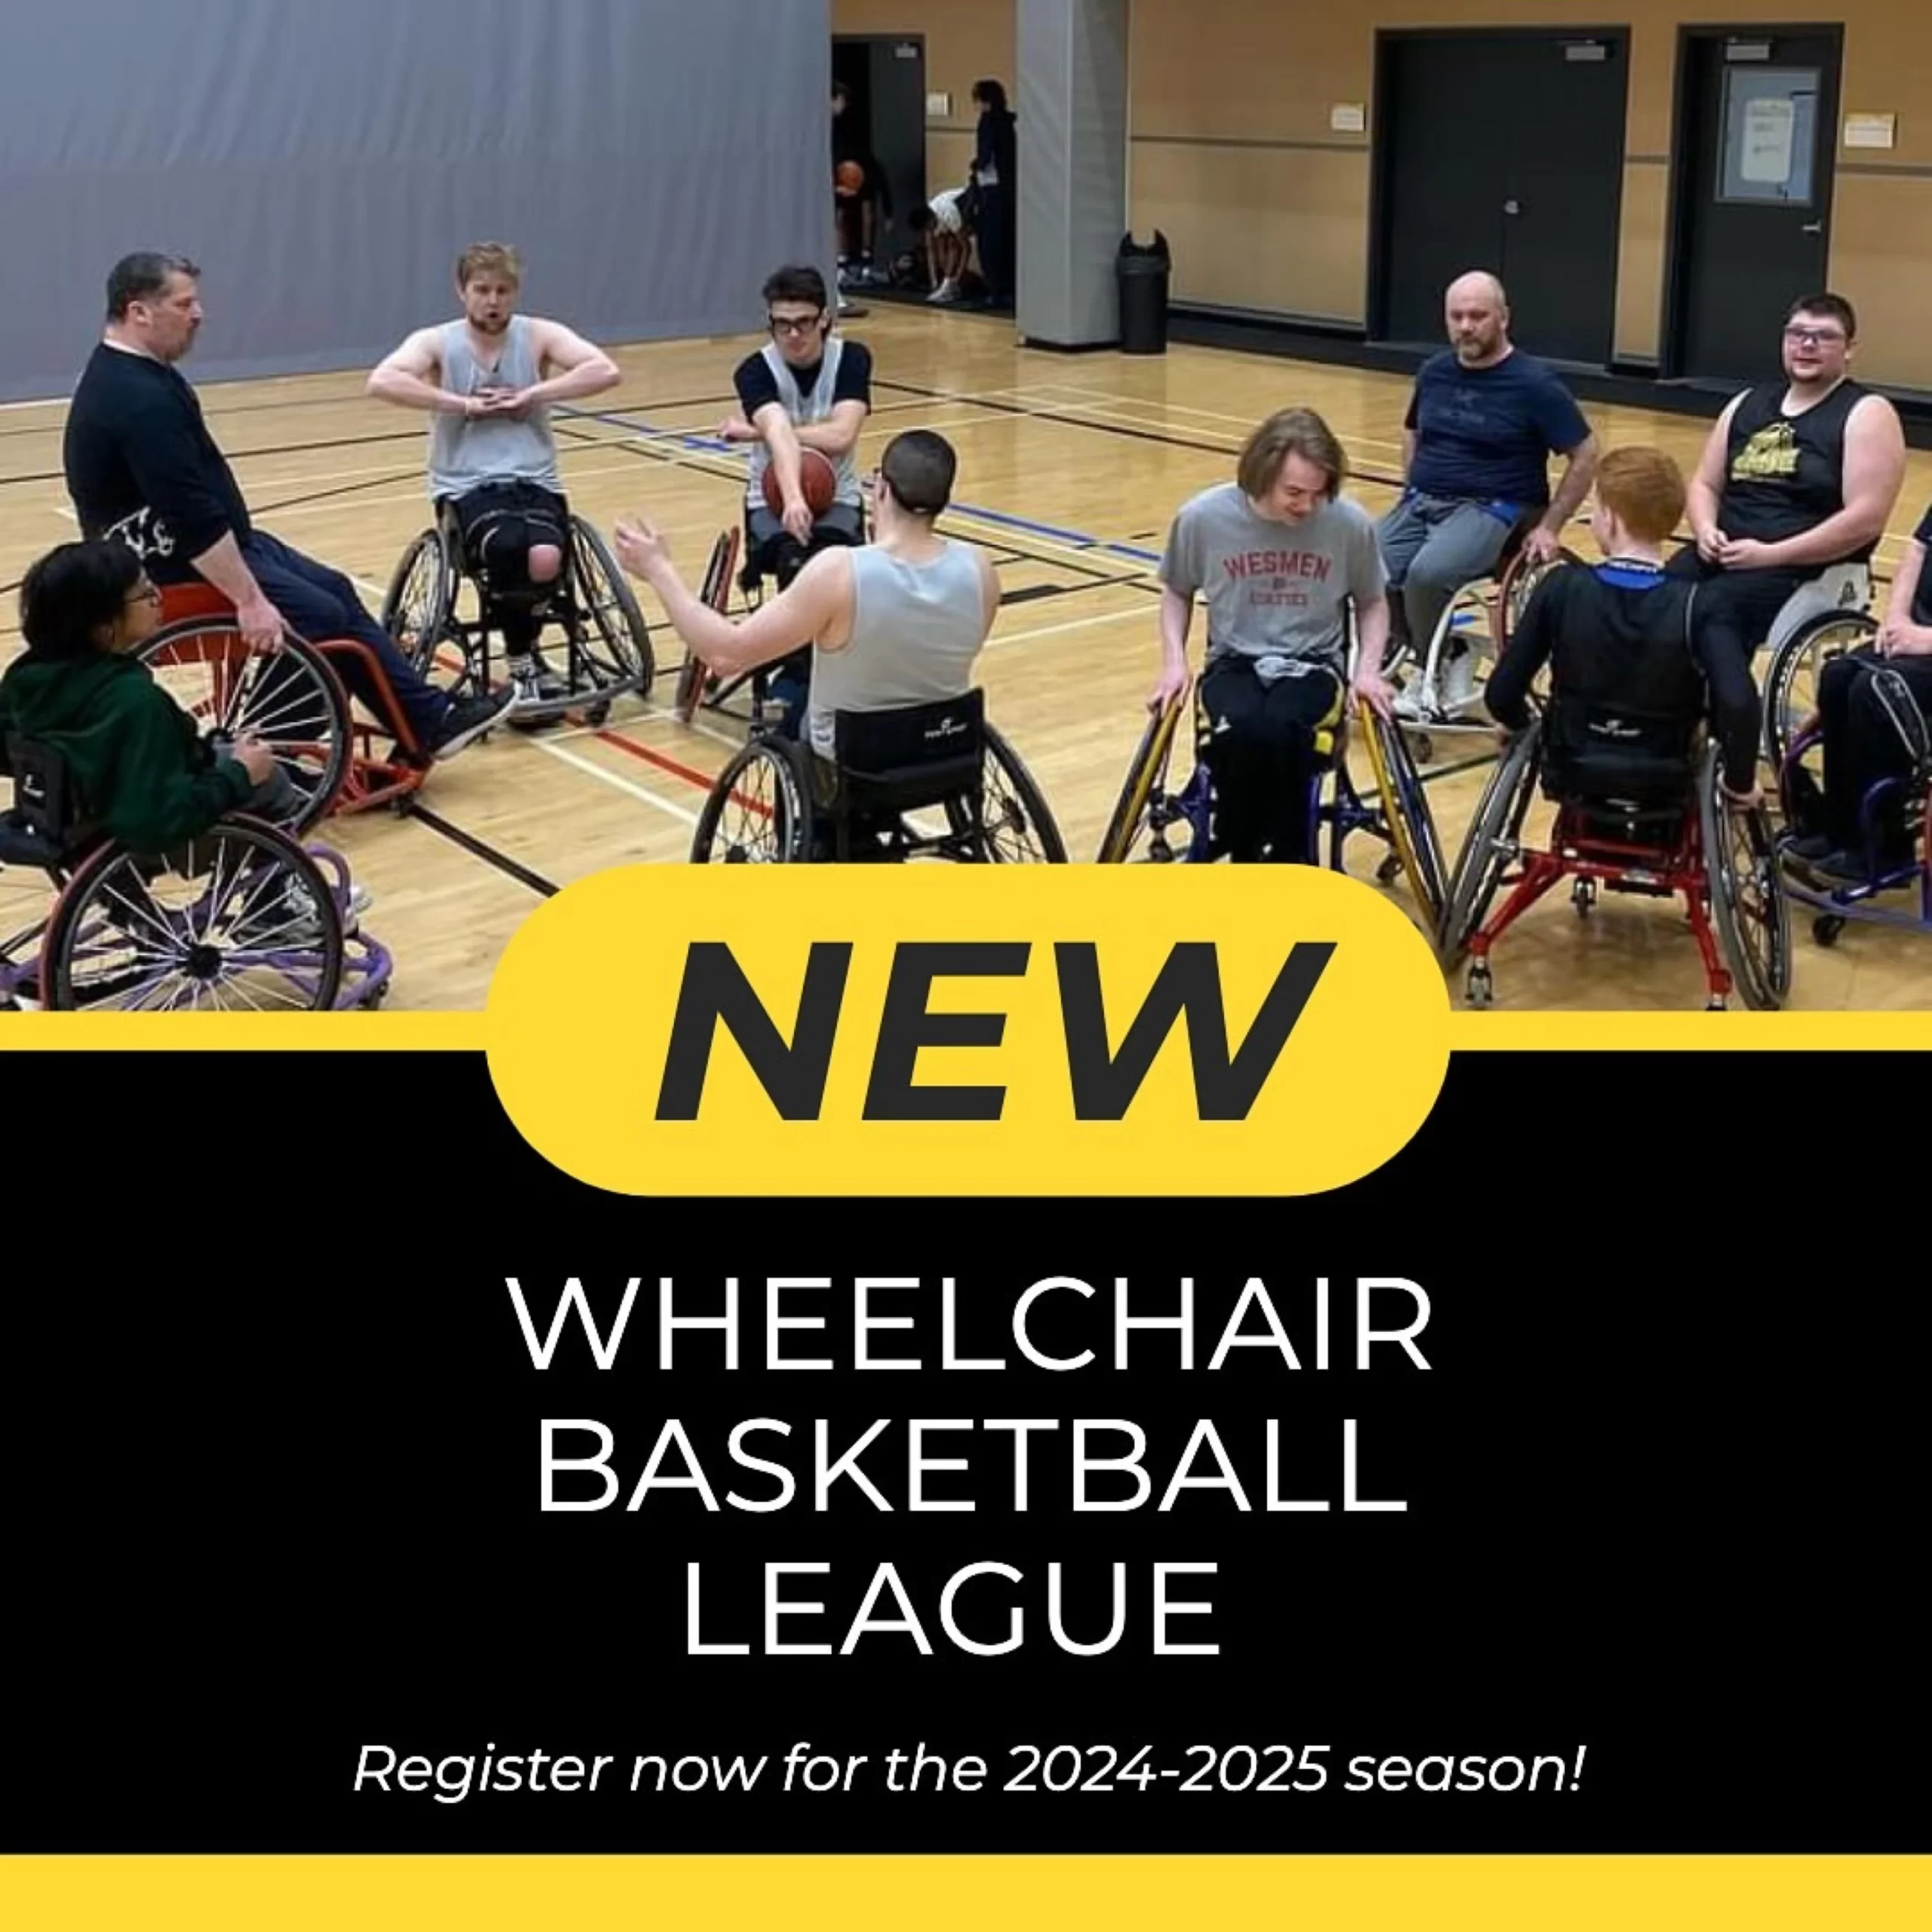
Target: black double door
x,y
1501,151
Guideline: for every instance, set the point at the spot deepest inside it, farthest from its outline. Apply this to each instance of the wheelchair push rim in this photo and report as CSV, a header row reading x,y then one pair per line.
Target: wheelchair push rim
x,y
287,694
1146,777
240,920
1407,818
1015,825
1749,903
694,677
1790,685
1491,845
759,811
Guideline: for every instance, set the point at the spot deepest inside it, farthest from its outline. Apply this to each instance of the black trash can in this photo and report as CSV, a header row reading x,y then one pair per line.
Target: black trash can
x,y
1143,275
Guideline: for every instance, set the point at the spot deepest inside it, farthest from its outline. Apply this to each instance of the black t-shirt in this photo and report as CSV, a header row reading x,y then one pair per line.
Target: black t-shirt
x,y
1922,598
756,385
1617,635
141,466
1784,474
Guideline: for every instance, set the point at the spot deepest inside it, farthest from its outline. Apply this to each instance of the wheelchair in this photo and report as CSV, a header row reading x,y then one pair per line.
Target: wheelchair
x,y
290,696
1898,804
1675,834
443,615
241,919
1820,620
1151,809
777,803
1483,612
698,686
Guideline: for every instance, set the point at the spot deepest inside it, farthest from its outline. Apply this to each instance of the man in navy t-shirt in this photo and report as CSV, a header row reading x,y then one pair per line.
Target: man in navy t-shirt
x,y
1482,425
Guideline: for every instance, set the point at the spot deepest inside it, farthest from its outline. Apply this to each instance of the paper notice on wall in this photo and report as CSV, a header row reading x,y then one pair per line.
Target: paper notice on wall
x,y
1769,137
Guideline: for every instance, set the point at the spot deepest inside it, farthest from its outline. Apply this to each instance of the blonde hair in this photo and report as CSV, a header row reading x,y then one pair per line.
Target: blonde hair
x,y
1290,432
488,258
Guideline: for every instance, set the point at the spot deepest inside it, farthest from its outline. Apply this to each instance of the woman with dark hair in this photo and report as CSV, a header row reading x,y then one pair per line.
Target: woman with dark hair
x,y
144,774
995,171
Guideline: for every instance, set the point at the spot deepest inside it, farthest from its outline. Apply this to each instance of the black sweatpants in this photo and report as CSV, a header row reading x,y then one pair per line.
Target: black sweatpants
x,y
1266,744
1861,745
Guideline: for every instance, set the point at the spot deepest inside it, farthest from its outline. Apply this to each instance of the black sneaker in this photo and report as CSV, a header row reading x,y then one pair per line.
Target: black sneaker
x,y
469,717
1817,846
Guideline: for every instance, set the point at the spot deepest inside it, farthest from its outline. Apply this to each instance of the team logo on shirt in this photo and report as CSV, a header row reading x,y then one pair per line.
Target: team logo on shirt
x,y
143,532
1270,575
1771,454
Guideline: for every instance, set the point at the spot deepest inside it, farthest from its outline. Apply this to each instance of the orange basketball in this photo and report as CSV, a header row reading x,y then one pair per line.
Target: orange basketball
x,y
818,478
850,176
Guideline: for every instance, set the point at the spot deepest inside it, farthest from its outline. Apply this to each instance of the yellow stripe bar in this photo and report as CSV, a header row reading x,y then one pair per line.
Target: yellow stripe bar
x,y
479,1894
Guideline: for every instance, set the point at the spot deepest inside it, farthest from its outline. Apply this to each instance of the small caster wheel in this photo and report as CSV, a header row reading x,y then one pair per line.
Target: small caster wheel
x,y
1480,989
598,716
1717,1003
1584,895
1826,928
1425,748
1389,870
376,998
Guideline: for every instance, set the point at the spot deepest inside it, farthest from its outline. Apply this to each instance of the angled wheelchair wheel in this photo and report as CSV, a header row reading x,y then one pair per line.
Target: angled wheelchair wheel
x,y
1491,845
418,611
610,643
241,920
1790,685
1519,585
694,678
1748,901
286,694
1143,787
759,812
1018,825
1406,815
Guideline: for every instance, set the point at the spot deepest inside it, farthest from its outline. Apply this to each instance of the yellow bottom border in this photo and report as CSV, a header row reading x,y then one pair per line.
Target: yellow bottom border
x,y
964,1894
469,1032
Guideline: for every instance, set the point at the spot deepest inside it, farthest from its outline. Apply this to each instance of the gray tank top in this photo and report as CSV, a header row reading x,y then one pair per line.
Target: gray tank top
x,y
466,452
804,410
916,632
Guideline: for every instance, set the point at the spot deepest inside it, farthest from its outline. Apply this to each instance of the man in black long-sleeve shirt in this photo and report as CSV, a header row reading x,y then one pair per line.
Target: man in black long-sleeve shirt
x,y
141,467
1631,679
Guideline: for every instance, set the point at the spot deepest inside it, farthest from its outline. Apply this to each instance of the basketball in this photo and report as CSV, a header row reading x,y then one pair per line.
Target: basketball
x,y
850,177
817,477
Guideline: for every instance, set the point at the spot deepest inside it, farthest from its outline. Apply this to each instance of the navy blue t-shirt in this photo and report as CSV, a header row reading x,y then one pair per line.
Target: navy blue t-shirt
x,y
1922,598
1488,434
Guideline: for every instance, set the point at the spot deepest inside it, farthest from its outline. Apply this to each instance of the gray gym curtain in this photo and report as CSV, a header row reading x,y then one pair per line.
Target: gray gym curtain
x,y
324,161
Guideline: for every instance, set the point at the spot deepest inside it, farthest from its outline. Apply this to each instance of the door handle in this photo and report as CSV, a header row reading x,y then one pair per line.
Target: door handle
x,y
1513,207
1813,228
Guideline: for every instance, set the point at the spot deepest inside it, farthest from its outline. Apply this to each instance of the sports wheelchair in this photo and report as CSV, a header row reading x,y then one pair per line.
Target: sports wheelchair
x,y
240,919
1484,612
776,803
698,686
1150,808
290,696
1900,806
1672,833
443,614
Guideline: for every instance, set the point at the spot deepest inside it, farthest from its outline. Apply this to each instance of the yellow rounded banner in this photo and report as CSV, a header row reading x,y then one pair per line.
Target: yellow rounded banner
x,y
968,1030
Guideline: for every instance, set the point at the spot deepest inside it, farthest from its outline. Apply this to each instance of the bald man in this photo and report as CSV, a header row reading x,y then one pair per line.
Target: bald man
x,y
1483,423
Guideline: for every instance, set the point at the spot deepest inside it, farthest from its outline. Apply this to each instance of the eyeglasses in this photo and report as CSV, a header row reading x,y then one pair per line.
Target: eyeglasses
x,y
794,324
1814,338
144,593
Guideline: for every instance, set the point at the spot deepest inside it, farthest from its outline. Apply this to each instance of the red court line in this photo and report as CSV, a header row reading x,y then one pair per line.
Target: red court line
x,y
677,770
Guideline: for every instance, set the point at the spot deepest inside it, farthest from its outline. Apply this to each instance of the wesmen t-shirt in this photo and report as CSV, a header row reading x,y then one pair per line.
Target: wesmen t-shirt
x,y
1274,589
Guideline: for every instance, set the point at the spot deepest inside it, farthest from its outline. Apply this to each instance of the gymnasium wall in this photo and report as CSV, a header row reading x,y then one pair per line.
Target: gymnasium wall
x,y
1267,208
324,161
966,41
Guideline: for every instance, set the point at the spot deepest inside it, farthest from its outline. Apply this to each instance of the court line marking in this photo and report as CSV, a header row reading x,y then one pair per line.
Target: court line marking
x,y
616,780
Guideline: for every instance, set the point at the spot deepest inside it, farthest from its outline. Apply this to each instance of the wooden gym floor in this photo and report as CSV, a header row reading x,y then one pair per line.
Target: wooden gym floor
x,y
1070,469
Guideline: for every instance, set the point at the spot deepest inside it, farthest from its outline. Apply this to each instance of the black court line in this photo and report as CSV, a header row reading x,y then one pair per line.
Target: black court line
x,y
471,844
1035,592
1107,429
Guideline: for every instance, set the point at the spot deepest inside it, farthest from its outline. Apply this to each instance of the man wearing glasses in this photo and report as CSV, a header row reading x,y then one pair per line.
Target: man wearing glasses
x,y
1797,475
807,389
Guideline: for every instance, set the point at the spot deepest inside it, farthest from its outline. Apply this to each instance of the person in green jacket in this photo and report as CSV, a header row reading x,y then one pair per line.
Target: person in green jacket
x,y
144,774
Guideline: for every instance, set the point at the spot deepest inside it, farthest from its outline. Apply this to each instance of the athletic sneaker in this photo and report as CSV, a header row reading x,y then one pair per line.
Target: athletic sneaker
x,y
1459,681
1817,845
301,924
947,291
469,717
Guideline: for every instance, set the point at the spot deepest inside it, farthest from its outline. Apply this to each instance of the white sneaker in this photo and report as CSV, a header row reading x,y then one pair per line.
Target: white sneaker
x,y
305,925
947,291
1409,703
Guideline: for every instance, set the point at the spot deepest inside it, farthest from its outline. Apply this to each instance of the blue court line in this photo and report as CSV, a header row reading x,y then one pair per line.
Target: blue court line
x,y
714,446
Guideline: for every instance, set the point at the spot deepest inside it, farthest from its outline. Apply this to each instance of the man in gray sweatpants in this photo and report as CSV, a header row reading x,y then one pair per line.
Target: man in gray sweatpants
x,y
1483,422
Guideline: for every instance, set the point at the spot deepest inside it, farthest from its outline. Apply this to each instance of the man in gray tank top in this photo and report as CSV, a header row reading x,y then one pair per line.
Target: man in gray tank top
x,y
488,380
897,622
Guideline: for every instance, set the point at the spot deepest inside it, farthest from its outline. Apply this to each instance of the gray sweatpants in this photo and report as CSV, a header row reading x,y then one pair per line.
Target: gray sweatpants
x,y
1431,547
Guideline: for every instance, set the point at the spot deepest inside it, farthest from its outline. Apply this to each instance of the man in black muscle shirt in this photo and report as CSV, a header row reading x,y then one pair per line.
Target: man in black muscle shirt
x,y
143,468
1797,475
1632,674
